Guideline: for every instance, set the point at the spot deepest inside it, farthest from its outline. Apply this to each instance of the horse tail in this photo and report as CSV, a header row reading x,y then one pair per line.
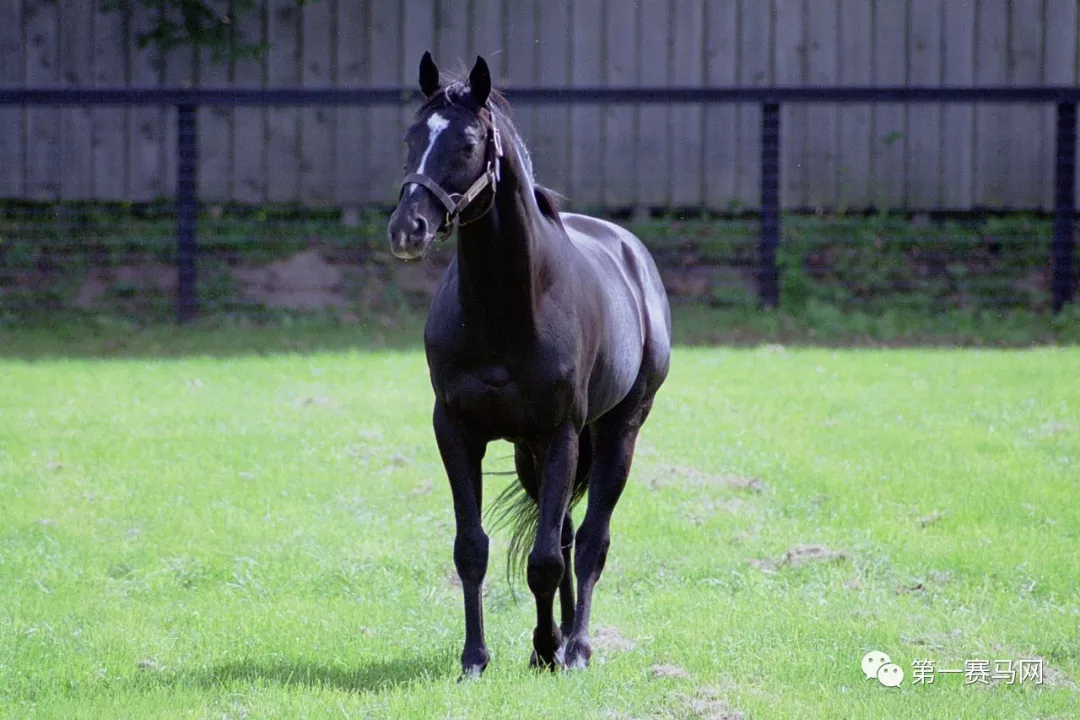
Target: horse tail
x,y
516,508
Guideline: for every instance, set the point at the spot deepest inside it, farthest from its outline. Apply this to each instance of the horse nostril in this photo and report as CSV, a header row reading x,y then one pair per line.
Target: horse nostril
x,y
420,227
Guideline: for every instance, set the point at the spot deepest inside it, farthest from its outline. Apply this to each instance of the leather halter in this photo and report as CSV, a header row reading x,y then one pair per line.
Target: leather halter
x,y
455,203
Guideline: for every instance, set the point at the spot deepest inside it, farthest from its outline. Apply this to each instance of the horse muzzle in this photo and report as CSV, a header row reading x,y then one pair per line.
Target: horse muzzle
x,y
410,233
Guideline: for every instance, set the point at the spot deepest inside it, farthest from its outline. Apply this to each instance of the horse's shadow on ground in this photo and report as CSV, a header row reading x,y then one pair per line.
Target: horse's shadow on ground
x,y
364,677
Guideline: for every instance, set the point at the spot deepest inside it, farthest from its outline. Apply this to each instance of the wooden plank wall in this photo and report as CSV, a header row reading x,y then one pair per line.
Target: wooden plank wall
x,y
952,156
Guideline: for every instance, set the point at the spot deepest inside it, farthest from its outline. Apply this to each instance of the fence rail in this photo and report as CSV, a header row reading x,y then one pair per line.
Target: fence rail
x,y
188,100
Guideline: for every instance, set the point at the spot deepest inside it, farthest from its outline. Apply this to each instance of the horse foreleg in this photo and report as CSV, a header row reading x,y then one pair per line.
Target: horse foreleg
x,y
462,456
546,565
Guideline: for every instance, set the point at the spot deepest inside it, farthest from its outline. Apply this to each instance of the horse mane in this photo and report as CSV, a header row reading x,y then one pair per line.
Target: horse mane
x,y
456,92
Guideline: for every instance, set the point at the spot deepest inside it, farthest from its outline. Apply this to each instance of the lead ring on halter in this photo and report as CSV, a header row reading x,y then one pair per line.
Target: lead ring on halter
x,y
456,202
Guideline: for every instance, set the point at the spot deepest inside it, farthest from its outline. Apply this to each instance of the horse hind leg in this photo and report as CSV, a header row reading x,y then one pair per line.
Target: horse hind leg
x,y
581,483
614,438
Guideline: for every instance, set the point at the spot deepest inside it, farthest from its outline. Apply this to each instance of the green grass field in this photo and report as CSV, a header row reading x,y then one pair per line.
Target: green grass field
x,y
201,531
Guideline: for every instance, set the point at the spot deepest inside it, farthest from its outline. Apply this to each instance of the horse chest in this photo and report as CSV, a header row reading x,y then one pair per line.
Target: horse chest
x,y
501,402
487,397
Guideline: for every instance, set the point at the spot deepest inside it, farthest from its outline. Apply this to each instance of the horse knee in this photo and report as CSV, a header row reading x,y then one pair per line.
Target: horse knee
x,y
545,571
471,555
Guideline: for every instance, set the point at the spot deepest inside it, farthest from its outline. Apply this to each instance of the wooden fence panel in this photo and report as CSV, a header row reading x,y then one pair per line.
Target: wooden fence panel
x,y
249,170
108,127
12,128
488,37
283,123
586,140
145,174
620,121
789,57
318,141
856,121
688,26
991,120
953,156
353,70
1024,159
755,68
551,145
958,121
923,169
822,60
181,70
1059,68
385,136
43,162
889,140
521,59
653,159
76,59
215,134
721,121
451,51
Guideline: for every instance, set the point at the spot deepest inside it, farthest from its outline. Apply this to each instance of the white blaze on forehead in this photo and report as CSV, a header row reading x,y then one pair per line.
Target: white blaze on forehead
x,y
436,124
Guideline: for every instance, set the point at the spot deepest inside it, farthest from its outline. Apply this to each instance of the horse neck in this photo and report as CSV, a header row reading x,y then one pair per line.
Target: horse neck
x,y
499,260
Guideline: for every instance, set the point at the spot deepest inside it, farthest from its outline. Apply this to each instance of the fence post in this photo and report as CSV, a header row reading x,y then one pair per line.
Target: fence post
x,y
768,276
1063,284
187,210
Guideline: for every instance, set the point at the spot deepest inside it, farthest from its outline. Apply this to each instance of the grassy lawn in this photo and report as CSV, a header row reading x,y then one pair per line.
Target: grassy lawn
x,y
223,526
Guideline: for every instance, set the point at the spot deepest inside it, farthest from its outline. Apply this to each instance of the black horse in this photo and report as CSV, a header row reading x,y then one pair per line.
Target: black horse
x,y
550,330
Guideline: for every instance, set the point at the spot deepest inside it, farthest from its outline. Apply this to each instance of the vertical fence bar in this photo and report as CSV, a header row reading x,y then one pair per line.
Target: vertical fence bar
x,y
187,210
1061,250
768,276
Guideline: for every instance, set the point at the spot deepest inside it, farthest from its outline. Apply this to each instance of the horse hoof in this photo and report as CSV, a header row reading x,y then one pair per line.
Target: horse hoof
x,y
473,664
538,663
577,655
470,673
548,659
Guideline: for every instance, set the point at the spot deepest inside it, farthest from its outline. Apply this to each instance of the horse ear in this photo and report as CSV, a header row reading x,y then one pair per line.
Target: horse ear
x,y
429,75
480,81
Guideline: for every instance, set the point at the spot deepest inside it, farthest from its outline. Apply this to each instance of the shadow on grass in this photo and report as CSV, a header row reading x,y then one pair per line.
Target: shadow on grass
x,y
372,676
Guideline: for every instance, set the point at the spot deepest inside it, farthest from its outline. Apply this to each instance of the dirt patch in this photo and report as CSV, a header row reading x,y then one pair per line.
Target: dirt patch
x,y
713,708
317,400
609,639
304,281
668,671
701,509
133,279
909,589
694,477
930,519
422,489
702,281
800,555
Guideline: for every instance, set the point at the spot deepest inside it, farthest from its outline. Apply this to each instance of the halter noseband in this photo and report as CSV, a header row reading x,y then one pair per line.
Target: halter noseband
x,y
455,203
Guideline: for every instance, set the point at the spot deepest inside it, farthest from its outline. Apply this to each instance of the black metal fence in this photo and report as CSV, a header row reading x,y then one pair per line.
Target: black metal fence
x,y
1059,256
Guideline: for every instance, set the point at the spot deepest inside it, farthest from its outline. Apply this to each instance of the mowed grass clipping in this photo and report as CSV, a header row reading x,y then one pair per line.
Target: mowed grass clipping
x,y
272,537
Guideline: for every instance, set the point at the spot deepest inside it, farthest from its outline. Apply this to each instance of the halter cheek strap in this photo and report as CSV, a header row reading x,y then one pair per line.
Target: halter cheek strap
x,y
455,203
